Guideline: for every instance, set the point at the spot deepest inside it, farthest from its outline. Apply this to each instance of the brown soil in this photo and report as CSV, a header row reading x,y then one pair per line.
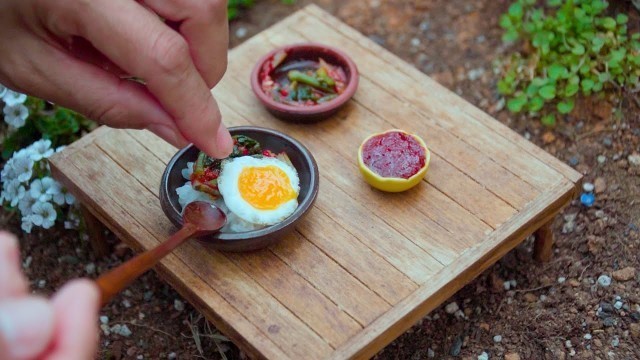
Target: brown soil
x,y
552,306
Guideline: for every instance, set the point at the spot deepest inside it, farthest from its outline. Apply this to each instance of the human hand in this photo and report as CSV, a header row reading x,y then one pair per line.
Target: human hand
x,y
63,328
74,53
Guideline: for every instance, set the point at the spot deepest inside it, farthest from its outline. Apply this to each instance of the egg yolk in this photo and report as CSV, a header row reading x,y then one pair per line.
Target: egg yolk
x,y
265,187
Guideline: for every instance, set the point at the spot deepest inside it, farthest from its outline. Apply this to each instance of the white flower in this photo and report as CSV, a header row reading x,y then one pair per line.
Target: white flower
x,y
25,205
38,190
186,172
11,98
13,192
15,115
3,90
43,214
40,149
27,224
60,148
22,167
69,199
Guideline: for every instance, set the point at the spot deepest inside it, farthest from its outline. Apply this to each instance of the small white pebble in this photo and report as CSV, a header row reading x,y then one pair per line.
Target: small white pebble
x,y
415,42
27,262
615,342
90,268
543,297
572,352
451,308
241,32
483,356
602,159
124,331
42,283
561,279
604,280
568,344
140,357
430,353
506,285
460,314
105,329
617,298
588,187
178,305
497,338
436,316
618,305
126,303
141,316
104,319
527,135
587,336
172,356
513,283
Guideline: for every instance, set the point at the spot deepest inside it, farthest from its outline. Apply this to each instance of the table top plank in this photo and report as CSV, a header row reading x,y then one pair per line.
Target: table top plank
x,y
469,118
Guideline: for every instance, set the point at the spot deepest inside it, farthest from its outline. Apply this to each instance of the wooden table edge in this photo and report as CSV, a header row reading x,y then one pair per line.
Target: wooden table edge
x,y
444,284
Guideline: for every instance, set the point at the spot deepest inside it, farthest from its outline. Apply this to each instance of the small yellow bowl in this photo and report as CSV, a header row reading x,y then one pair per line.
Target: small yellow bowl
x,y
393,184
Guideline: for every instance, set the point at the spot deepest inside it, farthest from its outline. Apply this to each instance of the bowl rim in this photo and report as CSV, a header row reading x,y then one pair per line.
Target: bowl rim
x,y
304,205
393,179
348,93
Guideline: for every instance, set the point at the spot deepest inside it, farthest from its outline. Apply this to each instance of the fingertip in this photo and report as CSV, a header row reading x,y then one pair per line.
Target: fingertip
x,y
223,143
26,327
84,290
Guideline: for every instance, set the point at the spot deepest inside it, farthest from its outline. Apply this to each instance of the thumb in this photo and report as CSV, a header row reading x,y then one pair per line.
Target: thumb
x,y
26,328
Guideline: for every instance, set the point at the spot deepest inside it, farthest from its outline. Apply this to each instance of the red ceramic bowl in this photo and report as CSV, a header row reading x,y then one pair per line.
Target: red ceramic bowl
x,y
307,51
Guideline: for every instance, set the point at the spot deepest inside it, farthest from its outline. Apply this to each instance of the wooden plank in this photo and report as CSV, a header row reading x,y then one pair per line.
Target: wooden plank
x,y
444,284
271,317
134,158
156,145
226,318
477,119
336,282
325,317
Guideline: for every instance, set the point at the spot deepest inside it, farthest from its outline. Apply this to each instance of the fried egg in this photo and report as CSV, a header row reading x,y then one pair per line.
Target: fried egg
x,y
259,190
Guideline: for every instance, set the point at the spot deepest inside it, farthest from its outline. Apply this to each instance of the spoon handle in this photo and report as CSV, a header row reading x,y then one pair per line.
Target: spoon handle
x,y
120,277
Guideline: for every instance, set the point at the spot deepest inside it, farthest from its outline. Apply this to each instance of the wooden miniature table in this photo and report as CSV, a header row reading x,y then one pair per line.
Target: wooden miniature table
x,y
364,265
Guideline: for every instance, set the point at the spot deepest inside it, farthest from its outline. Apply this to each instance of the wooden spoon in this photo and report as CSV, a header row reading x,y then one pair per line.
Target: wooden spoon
x,y
198,218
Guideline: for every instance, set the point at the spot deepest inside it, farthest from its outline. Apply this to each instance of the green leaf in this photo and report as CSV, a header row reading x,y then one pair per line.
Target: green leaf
x,y
554,3
571,90
557,71
510,36
515,104
505,22
547,92
597,43
597,87
539,82
505,87
587,84
515,10
578,49
608,23
603,77
565,107
622,19
574,80
536,104
548,120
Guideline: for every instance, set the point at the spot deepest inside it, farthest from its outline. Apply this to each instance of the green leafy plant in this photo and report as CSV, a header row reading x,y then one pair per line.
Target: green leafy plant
x,y
45,121
234,7
569,48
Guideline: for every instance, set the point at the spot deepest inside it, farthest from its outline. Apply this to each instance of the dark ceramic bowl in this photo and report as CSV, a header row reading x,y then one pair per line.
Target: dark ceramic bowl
x,y
273,140
307,51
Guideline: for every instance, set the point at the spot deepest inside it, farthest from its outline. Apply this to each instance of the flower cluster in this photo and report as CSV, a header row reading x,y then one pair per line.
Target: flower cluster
x,y
26,184
15,112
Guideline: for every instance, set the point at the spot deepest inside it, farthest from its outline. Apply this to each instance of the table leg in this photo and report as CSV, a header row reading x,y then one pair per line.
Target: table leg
x,y
95,230
543,245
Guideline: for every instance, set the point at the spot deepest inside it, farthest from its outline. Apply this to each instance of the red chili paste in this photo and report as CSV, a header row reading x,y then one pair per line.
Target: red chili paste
x,y
394,154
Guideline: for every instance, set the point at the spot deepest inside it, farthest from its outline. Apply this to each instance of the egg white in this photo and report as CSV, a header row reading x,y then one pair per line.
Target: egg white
x,y
228,187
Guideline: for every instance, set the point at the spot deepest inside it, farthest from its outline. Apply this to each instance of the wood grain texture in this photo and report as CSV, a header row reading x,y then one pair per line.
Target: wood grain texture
x,y
363,266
